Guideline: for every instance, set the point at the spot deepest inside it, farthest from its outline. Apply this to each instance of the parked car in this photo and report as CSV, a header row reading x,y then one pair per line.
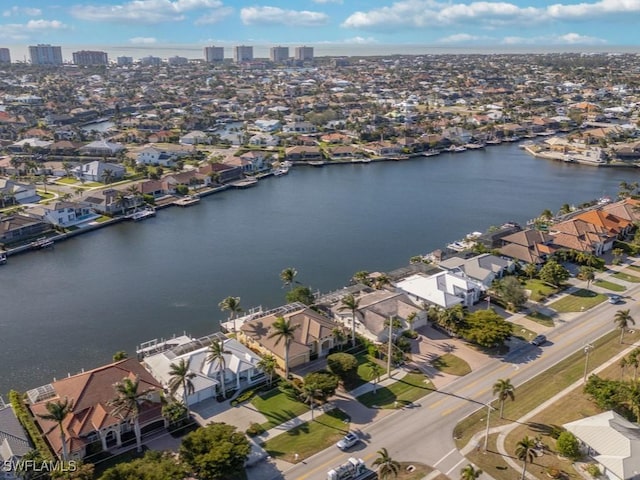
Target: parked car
x,y
349,440
539,340
615,299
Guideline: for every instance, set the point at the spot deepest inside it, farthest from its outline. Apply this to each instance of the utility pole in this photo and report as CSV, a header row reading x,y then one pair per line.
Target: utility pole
x,y
389,348
587,350
486,433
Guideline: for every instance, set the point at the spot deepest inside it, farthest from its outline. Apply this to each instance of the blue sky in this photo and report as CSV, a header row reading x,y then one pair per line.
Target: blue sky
x,y
364,22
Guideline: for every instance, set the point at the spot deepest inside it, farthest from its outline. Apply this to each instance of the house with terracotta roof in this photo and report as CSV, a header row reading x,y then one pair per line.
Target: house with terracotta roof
x,y
529,246
313,336
628,209
583,235
613,224
91,422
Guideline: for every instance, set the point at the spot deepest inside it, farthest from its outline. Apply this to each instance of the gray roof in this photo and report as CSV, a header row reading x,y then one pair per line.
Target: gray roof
x,y
14,441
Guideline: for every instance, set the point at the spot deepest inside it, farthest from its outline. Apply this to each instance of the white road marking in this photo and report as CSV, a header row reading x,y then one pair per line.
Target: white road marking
x,y
457,465
452,450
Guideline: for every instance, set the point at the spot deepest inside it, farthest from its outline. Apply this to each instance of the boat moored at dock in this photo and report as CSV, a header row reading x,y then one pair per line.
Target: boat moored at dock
x,y
187,201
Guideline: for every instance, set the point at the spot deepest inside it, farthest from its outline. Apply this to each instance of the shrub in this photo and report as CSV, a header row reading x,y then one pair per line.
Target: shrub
x,y
26,420
342,364
243,397
593,470
255,429
568,445
555,431
412,334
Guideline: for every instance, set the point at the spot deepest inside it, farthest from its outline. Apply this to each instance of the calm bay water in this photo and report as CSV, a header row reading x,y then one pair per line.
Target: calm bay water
x,y
74,306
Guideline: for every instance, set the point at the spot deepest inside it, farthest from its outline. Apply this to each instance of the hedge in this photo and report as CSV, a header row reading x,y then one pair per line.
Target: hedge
x,y
29,425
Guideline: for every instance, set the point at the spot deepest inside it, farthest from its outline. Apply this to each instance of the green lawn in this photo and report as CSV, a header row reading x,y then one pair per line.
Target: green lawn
x,y
539,289
522,333
449,363
626,276
410,388
309,438
277,407
578,301
634,267
541,318
102,219
615,287
363,371
67,181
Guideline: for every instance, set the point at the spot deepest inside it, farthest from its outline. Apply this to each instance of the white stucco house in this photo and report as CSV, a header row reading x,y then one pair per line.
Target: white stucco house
x,y
155,156
95,171
444,289
483,268
268,125
194,138
240,366
19,192
61,213
612,441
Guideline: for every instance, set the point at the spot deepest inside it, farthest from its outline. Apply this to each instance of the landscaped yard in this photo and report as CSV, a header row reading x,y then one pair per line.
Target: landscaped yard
x,y
277,407
541,318
67,181
615,287
578,301
309,438
449,363
627,277
522,333
363,372
409,388
539,290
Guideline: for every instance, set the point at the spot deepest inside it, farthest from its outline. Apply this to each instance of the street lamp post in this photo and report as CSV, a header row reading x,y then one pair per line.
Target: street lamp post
x,y
587,350
486,433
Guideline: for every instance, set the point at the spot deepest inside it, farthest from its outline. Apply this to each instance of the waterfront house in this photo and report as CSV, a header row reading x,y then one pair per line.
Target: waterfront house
x,y
191,179
444,289
91,424
528,246
583,236
612,441
613,224
62,213
226,173
14,441
155,156
240,366
303,153
628,209
18,192
344,152
111,201
16,228
299,127
483,268
375,310
382,148
268,125
194,137
493,237
264,140
313,336
97,171
101,148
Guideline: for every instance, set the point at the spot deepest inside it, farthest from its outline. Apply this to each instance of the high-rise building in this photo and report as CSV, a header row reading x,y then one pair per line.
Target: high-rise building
x,y
177,60
214,54
124,61
90,57
5,55
151,60
304,54
45,54
279,54
242,53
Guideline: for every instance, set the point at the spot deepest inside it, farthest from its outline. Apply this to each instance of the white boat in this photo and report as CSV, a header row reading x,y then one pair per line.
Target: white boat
x,y
42,242
142,214
286,164
187,201
280,171
430,153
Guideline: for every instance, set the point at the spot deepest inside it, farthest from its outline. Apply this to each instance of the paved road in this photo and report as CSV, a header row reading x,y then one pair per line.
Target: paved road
x,y
424,434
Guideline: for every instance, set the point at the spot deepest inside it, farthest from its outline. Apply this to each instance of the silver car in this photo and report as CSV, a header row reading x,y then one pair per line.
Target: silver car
x,y
349,440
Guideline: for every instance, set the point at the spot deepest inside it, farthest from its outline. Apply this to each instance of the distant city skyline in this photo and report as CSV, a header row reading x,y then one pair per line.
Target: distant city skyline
x,y
327,25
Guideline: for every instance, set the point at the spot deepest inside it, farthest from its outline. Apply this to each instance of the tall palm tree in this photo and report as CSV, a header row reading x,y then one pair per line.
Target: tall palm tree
x,y
380,281
338,336
216,353
470,473
634,362
622,320
310,393
232,304
126,405
623,363
284,331
120,201
268,365
107,176
587,273
351,303
288,276
58,411
503,389
362,277
181,376
525,452
376,370
387,466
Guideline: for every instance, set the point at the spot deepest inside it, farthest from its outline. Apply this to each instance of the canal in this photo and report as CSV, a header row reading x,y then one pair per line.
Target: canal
x,y
73,306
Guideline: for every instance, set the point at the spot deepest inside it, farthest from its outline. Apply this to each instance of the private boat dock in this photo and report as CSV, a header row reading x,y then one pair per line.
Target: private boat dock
x,y
187,201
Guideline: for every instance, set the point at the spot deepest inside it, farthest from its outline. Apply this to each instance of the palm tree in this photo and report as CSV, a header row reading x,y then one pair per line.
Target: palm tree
x,y
623,363
376,370
361,277
268,365
411,318
288,276
387,466
126,405
232,304
530,270
311,392
622,320
504,389
470,473
349,302
634,362
58,411
216,352
380,281
107,176
284,331
525,452
587,273
120,201
338,336
180,376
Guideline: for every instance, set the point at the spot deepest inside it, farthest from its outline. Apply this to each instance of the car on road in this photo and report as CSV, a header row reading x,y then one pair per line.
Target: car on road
x,y
539,340
349,440
615,299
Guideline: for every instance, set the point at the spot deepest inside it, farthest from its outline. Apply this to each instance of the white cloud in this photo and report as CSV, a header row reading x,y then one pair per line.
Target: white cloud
x,y
15,10
434,13
327,1
462,38
214,16
142,11
23,31
278,16
566,39
360,40
143,40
